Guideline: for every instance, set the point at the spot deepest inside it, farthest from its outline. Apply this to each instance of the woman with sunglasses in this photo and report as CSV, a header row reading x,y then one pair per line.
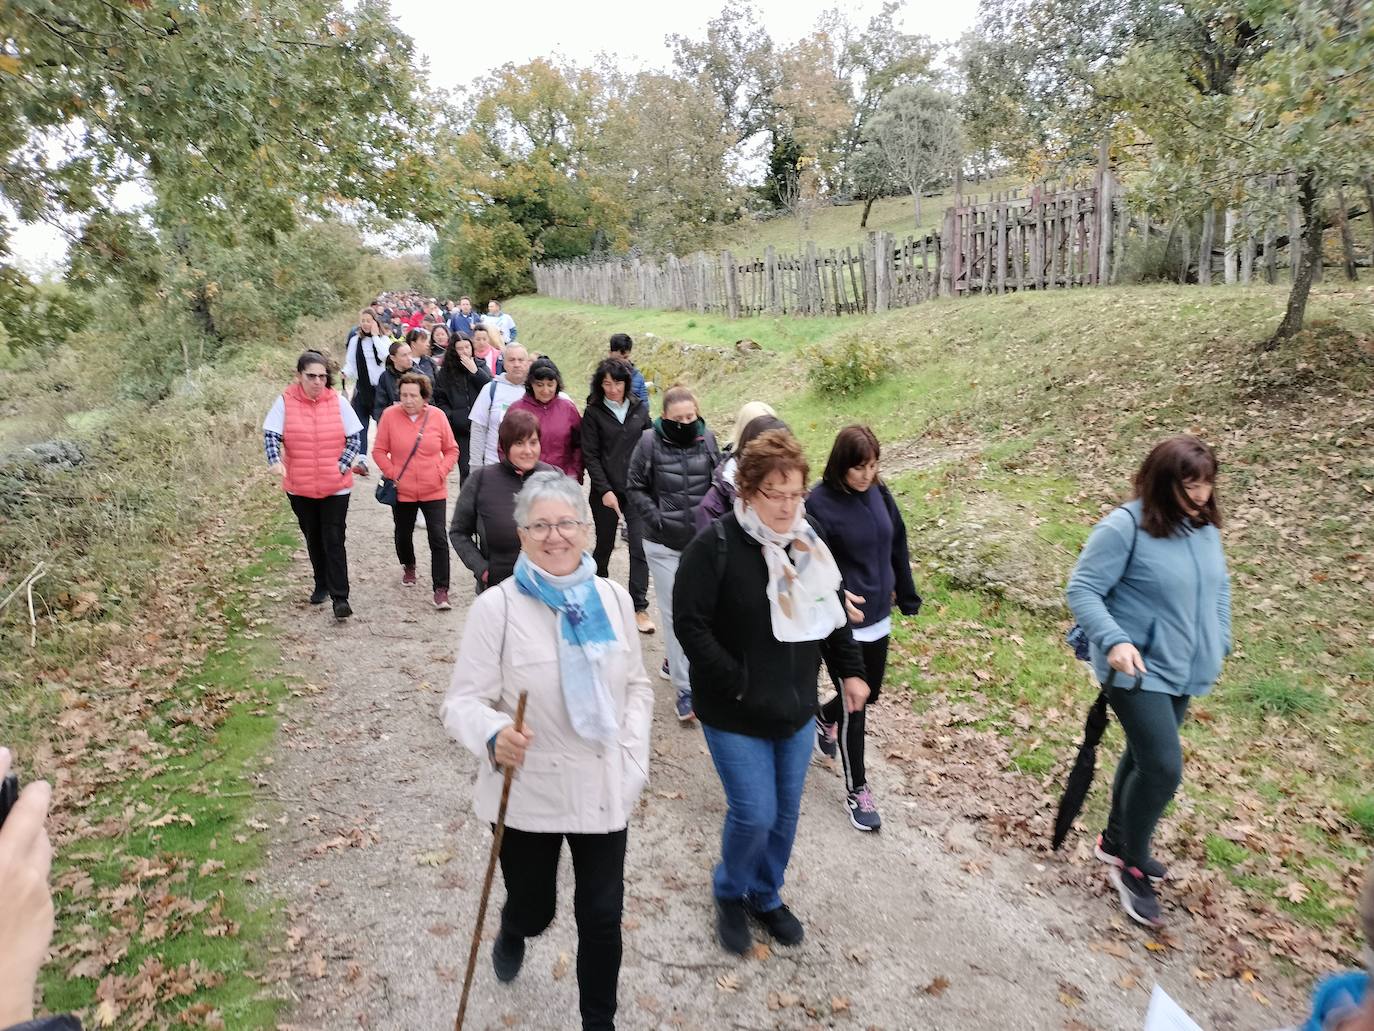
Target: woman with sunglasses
x,y
312,438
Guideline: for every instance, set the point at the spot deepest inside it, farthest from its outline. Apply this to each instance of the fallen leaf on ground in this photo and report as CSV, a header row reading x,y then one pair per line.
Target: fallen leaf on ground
x,y
728,982
760,951
561,966
839,1003
937,986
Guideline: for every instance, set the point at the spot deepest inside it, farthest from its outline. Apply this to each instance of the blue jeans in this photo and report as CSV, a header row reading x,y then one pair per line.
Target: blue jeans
x,y
763,780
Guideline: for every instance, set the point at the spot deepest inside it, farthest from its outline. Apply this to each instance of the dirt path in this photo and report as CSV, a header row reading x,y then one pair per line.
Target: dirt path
x,y
379,860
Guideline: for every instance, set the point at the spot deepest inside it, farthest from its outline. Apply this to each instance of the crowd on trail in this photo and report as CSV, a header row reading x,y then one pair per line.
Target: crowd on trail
x,y
763,576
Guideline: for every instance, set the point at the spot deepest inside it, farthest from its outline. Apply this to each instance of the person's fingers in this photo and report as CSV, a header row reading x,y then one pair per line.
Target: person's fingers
x,y
5,761
24,829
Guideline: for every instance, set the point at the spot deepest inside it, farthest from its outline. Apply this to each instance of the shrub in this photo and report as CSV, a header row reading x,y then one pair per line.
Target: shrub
x,y
853,366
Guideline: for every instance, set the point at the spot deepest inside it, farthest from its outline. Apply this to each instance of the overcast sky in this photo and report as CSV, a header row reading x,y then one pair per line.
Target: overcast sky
x,y
462,44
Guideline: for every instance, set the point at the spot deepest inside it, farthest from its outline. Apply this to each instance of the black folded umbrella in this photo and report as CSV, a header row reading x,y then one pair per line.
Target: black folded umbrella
x,y
1081,776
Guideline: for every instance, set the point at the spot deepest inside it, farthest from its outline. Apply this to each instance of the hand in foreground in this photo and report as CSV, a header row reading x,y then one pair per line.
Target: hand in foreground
x,y
1125,658
611,501
278,469
855,693
852,602
510,747
26,912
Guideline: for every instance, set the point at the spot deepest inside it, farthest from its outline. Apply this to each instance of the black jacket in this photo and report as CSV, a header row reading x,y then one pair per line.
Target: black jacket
x,y
667,483
483,527
608,444
389,386
744,680
867,536
455,389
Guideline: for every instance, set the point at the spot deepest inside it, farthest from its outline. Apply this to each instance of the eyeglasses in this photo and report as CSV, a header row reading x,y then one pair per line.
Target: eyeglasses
x,y
566,528
790,498
315,375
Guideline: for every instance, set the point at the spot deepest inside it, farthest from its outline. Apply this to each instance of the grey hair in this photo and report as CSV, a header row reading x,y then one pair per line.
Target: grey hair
x,y
552,485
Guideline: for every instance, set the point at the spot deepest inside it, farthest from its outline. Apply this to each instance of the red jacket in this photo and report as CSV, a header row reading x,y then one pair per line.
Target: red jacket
x,y
560,433
426,478
312,443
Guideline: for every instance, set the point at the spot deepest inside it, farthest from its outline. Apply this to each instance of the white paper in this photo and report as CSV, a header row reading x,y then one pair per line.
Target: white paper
x,y
1166,1015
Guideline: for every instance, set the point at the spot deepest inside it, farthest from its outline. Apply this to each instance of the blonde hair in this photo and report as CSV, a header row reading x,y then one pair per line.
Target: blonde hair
x,y
677,392
748,412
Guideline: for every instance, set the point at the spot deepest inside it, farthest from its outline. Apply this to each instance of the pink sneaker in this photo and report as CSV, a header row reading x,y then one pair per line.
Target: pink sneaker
x,y
441,599
408,576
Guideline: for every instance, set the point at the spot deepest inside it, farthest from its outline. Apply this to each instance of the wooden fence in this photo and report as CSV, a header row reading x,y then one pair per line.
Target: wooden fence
x,y
1066,236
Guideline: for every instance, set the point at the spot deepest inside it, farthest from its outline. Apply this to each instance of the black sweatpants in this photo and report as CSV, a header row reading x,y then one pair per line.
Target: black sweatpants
x,y
404,514
1150,769
607,525
322,524
851,737
362,408
464,439
529,867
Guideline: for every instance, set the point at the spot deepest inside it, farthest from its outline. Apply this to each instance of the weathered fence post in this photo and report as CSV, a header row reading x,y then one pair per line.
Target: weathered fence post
x,y
727,267
1204,251
770,279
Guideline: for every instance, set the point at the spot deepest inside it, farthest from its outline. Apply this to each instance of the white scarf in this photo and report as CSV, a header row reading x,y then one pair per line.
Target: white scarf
x,y
803,587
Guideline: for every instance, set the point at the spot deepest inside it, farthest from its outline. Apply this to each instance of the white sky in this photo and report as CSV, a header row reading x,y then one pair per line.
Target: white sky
x,y
462,43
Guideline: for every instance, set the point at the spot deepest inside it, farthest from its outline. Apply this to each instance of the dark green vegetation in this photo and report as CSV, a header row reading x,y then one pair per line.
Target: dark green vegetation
x,y
1010,425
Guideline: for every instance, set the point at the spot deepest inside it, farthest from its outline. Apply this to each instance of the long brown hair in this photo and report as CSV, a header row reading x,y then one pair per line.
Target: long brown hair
x,y
1159,485
854,445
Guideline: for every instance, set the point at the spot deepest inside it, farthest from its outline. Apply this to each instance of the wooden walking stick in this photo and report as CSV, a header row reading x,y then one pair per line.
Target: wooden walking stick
x,y
496,837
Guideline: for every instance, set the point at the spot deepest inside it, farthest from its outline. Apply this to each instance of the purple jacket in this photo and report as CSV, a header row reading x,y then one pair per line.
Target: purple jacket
x,y
720,496
560,433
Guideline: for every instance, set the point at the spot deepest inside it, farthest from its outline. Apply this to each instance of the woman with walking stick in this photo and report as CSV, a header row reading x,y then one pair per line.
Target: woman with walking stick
x,y
567,638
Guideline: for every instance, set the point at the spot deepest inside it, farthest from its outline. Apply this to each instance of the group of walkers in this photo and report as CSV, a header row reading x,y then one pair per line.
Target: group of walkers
x,y
761,578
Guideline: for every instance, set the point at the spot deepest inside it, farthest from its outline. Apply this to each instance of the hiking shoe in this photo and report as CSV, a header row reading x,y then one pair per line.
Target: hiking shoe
x,y
319,596
506,957
785,928
441,599
360,468
645,624
1107,852
732,926
342,610
827,736
663,671
685,712
1137,895
863,814
408,576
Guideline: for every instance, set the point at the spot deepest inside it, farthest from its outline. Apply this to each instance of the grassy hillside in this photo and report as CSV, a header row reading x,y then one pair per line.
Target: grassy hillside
x,y
839,226
1010,425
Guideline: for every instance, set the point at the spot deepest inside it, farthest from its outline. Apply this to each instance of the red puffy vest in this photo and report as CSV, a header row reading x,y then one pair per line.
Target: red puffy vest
x,y
312,441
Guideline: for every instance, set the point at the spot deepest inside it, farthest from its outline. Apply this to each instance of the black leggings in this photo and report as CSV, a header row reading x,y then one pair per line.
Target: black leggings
x,y
529,866
607,526
1150,770
851,736
322,522
434,530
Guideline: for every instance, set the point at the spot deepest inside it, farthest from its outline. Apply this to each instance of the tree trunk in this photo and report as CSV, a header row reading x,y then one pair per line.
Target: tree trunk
x,y
916,200
1311,257
1369,208
868,206
1204,251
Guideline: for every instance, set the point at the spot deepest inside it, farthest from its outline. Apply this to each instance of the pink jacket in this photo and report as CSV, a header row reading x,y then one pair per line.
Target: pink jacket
x,y
560,433
313,441
426,478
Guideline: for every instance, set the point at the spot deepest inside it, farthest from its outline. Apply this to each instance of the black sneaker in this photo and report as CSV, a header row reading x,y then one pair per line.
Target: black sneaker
x,y
827,738
785,928
664,673
506,957
342,610
863,813
732,926
319,596
1137,895
1108,852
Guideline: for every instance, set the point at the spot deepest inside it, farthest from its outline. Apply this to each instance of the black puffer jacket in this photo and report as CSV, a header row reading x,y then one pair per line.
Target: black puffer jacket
x,y
455,389
667,483
608,444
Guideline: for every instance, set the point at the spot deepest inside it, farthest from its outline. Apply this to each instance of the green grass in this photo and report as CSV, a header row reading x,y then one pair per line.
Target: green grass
x,y
1010,423
211,793
838,225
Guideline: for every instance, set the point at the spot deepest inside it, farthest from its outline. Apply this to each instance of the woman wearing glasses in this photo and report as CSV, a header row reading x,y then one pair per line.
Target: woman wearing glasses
x,y
483,531
568,638
757,595
312,438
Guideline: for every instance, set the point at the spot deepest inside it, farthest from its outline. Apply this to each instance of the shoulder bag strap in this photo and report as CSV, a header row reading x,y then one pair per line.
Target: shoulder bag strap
x,y
416,446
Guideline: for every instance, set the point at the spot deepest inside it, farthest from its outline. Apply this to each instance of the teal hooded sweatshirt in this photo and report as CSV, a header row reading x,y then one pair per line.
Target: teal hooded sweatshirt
x,y
1173,601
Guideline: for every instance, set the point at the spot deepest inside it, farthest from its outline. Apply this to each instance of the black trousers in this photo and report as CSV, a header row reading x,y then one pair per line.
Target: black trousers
x,y
851,736
404,514
362,408
606,523
464,440
322,523
529,866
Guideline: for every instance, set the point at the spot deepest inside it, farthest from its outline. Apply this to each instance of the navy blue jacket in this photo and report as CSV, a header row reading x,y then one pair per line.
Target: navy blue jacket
x,y
460,323
867,536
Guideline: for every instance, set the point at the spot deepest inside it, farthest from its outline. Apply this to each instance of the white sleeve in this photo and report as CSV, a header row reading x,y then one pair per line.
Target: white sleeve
x,y
276,417
350,364
477,442
469,711
374,367
351,422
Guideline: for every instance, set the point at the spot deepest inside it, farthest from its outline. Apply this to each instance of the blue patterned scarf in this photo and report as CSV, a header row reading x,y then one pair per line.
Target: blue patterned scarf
x,y
585,638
